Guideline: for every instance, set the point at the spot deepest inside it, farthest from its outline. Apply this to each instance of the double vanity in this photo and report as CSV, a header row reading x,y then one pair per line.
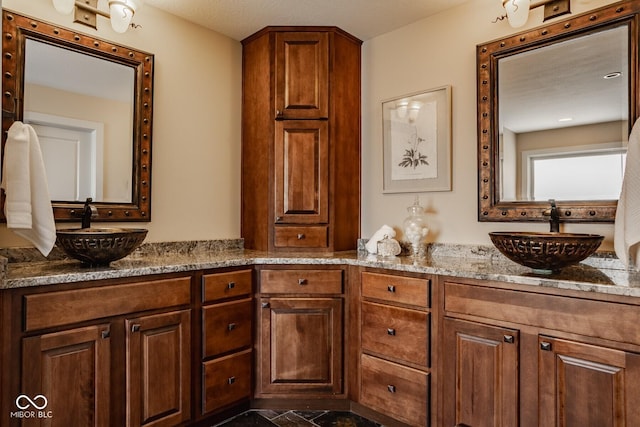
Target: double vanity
x,y
189,334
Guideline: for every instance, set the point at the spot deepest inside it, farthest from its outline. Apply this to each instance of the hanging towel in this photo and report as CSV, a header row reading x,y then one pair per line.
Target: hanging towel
x,y
626,238
27,203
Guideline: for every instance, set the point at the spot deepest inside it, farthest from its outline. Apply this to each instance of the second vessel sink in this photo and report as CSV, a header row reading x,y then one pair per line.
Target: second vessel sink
x,y
100,246
546,252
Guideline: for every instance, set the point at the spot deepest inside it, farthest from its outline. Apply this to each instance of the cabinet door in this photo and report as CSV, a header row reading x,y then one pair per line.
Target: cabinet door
x,y
302,75
65,378
587,385
158,369
302,172
301,343
480,379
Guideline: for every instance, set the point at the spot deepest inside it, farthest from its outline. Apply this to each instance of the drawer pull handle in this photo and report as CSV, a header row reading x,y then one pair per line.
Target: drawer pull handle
x,y
231,380
105,334
391,288
302,282
509,339
391,331
231,326
265,305
391,388
546,346
300,236
135,327
231,285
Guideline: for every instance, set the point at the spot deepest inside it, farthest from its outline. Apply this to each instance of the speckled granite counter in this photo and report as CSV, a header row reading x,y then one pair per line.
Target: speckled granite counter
x,y
603,273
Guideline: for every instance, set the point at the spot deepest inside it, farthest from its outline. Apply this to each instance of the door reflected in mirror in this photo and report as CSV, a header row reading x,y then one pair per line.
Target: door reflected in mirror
x,y
563,119
81,107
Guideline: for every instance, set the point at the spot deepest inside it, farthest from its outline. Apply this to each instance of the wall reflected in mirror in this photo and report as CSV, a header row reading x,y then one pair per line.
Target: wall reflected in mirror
x,y
81,107
564,119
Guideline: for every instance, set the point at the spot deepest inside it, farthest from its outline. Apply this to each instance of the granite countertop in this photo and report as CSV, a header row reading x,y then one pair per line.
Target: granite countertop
x,y
602,273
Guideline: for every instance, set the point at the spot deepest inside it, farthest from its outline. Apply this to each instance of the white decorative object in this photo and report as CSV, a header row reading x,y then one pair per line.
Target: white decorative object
x,y
372,244
415,227
388,247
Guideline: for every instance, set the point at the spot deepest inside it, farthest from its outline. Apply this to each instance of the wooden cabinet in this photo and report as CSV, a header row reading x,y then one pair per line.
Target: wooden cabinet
x,y
301,139
69,369
515,357
480,374
158,369
227,337
116,353
395,337
300,339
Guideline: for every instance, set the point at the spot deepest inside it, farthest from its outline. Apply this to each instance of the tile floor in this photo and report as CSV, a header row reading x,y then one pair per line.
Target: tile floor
x,y
270,418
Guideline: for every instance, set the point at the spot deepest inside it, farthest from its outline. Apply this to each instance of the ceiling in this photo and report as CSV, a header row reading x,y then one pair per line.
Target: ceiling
x,y
364,19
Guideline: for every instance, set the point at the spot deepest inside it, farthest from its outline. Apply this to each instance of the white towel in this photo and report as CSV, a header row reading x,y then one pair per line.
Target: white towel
x,y
372,244
626,238
27,203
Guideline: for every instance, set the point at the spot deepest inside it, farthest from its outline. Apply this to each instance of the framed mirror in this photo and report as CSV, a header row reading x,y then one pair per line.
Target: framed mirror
x,y
555,108
91,104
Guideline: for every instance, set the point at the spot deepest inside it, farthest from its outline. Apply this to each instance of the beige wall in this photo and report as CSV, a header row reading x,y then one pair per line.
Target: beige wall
x,y
196,150
428,54
196,128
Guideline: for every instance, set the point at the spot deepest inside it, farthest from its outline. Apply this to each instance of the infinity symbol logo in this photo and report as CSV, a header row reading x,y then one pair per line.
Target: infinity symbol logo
x,y
31,402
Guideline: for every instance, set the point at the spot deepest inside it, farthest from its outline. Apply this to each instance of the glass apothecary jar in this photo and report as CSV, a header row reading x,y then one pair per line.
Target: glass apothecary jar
x,y
415,227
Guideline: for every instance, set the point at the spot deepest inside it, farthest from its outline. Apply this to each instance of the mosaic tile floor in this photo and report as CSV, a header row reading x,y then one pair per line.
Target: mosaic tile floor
x,y
270,418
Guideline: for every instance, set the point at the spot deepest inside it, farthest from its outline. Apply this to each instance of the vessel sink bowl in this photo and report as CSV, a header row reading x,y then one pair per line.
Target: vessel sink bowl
x,y
100,246
546,252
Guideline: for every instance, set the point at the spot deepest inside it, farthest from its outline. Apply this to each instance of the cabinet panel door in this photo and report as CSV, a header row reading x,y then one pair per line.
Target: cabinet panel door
x,y
302,345
302,172
70,370
587,385
302,75
480,375
158,369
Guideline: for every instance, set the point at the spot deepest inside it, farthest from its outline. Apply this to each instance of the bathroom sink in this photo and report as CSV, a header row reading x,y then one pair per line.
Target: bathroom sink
x,y
100,246
546,252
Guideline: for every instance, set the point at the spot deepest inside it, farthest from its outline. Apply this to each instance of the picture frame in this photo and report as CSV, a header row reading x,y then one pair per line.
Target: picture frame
x,y
416,138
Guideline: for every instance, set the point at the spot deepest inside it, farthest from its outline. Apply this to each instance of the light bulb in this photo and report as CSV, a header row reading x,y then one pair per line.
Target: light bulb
x,y
517,12
64,7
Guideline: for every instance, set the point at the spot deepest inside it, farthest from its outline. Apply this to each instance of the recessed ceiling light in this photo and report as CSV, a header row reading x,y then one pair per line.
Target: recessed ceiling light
x,y
565,119
613,75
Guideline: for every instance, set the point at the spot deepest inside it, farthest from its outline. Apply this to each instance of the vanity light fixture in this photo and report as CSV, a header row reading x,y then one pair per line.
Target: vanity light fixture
x,y
517,11
86,12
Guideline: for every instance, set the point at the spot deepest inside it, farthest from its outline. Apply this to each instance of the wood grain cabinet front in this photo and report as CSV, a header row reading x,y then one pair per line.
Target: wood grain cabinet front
x,y
395,346
227,339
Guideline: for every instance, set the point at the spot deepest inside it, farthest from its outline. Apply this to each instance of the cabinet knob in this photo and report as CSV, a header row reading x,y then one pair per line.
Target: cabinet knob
x,y
302,281
391,331
265,305
301,236
391,288
391,388
105,334
135,327
546,346
231,326
231,380
509,339
231,285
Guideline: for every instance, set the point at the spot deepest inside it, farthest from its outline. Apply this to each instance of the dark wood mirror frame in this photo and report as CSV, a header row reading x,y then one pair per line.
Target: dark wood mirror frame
x,y
15,30
490,207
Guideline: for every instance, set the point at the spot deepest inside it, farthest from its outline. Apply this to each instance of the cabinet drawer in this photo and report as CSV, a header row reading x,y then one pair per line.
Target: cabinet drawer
x,y
226,327
301,281
395,390
301,237
396,332
226,380
226,285
58,308
388,287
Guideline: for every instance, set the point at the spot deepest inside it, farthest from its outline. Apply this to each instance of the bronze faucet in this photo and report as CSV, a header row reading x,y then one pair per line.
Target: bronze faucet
x,y
554,217
88,212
